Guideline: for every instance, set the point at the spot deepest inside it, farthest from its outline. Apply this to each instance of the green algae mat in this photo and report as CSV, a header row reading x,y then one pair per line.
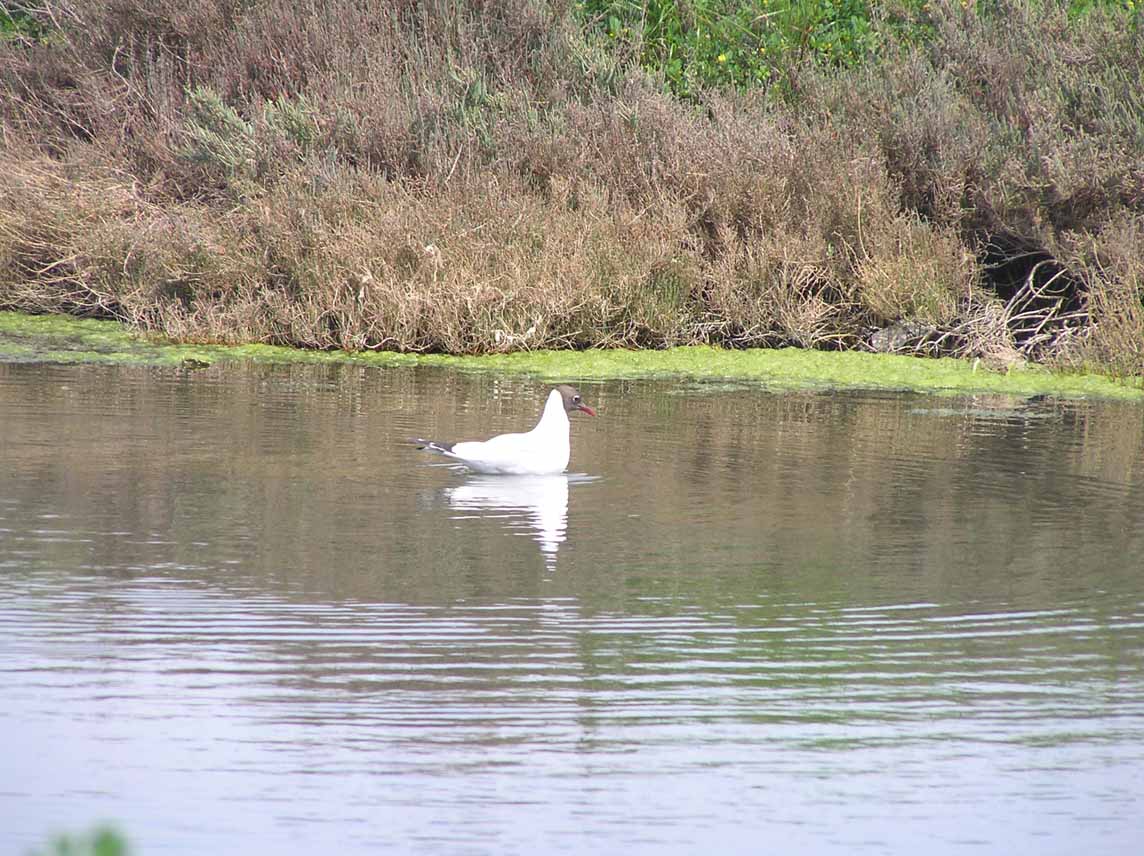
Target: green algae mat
x,y
61,339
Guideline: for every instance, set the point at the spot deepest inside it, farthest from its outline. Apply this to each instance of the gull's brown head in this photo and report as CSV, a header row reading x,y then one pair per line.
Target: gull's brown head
x,y
573,401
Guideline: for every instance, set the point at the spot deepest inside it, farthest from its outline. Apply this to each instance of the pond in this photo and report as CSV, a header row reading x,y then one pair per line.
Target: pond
x,y
240,614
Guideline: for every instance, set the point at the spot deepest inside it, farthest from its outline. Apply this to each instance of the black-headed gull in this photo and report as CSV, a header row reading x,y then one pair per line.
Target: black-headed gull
x,y
542,451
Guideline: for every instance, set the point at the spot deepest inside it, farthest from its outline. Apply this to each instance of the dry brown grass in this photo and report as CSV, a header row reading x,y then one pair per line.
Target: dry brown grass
x,y
468,177
1113,339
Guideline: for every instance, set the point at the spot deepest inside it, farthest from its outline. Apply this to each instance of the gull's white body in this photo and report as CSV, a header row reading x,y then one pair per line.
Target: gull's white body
x,y
544,450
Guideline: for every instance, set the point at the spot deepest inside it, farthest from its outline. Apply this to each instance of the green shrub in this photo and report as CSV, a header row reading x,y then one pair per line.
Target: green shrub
x,y
747,43
17,21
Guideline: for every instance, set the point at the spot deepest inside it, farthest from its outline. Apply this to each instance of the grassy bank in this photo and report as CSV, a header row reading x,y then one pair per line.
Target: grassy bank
x,y
469,178
59,339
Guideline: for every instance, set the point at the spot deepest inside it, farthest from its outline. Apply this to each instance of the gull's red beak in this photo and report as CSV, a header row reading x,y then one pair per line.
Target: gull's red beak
x,y
586,409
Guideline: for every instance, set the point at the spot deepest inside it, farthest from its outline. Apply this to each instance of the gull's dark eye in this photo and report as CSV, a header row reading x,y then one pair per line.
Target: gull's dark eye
x,y
576,399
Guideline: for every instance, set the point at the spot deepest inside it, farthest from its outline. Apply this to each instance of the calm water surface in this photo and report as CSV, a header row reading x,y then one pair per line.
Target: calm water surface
x,y
238,615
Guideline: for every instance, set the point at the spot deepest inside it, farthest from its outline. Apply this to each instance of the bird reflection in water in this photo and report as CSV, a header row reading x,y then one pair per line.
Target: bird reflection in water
x,y
539,503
